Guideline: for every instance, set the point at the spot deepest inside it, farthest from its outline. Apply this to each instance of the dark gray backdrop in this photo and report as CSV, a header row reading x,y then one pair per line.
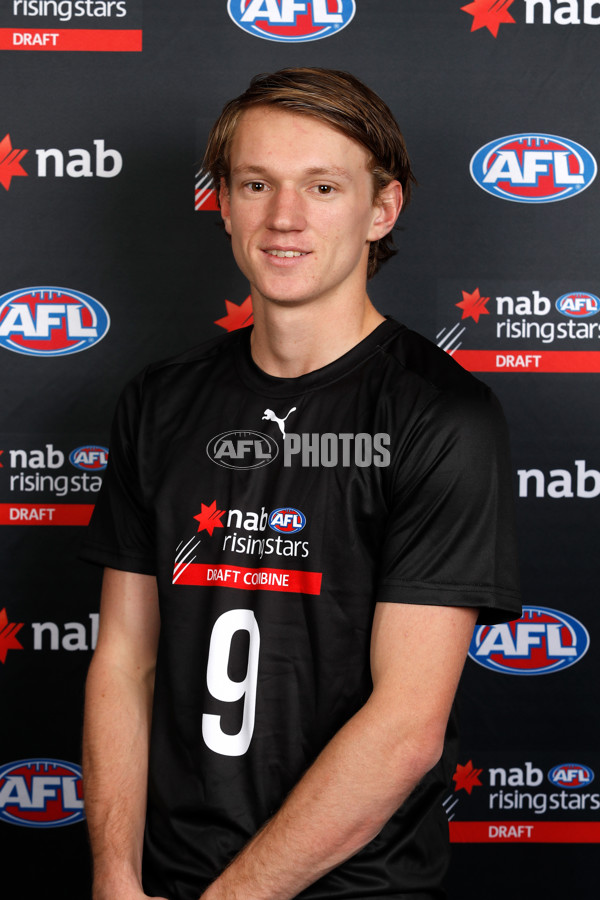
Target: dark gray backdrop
x,y
134,242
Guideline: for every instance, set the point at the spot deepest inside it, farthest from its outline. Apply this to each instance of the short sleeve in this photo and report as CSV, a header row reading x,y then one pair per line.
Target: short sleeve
x,y
450,538
121,532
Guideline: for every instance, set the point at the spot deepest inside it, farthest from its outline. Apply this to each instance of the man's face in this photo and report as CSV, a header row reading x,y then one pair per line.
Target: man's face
x,y
299,207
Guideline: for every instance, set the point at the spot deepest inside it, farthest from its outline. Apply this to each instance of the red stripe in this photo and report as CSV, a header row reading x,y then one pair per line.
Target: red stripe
x,y
112,39
529,360
241,578
207,199
525,832
45,513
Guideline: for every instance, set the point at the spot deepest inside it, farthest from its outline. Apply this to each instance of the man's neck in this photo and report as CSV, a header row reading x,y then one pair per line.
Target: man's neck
x,y
289,341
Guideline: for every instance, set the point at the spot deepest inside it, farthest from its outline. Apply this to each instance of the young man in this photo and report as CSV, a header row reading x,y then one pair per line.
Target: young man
x,y
300,524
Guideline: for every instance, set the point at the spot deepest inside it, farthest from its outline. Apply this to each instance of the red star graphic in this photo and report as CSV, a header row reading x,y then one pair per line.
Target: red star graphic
x,y
473,305
466,777
8,631
10,162
237,316
210,518
490,14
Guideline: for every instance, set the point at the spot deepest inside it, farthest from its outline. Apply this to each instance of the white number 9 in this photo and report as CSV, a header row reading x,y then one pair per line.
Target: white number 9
x,y
222,687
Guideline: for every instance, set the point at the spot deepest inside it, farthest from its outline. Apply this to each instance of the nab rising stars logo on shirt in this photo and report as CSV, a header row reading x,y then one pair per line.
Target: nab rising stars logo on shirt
x,y
291,20
533,168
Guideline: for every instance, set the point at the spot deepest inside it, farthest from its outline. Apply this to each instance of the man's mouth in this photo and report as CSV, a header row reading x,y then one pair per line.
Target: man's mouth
x,y
287,253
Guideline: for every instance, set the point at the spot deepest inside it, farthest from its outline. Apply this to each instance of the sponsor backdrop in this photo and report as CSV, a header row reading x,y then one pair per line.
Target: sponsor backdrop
x,y
112,257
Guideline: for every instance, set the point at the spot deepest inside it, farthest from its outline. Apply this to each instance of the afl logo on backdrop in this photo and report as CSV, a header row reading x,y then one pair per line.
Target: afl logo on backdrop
x,y
571,775
41,793
543,640
291,20
89,458
578,305
51,321
533,168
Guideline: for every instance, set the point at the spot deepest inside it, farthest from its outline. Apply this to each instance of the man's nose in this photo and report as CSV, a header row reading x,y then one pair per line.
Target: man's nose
x,y
286,210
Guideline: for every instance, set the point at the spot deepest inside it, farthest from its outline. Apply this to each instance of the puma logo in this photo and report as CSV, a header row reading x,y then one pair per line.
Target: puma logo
x,y
270,415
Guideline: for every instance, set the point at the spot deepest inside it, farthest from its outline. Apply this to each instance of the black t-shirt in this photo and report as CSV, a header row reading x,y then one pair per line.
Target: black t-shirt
x,y
275,513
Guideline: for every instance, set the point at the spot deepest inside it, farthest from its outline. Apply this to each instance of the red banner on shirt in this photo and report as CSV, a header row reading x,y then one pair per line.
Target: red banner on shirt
x,y
290,580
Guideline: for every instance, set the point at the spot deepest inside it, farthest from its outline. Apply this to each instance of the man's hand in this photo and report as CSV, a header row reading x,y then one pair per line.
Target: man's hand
x,y
118,893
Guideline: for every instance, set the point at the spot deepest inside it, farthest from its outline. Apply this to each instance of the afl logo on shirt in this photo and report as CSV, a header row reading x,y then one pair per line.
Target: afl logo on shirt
x,y
242,449
287,520
291,21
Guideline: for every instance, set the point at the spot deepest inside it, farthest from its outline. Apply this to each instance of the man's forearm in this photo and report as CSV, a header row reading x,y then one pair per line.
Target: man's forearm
x,y
370,766
115,763
342,802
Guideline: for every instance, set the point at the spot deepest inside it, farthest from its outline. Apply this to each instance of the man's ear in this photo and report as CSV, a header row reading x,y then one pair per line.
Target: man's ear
x,y
387,208
225,205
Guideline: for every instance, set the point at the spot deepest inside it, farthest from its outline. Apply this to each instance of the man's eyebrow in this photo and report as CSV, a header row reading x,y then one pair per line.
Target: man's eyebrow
x,y
312,171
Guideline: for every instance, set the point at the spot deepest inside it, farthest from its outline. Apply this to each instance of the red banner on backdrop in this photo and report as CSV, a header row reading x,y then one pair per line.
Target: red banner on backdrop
x,y
110,39
529,360
525,832
290,580
45,513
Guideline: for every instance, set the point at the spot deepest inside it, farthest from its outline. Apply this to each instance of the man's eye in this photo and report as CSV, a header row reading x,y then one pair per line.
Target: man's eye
x,y
256,187
324,189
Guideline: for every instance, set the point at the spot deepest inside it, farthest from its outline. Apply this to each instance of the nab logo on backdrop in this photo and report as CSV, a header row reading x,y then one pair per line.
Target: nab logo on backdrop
x,y
491,14
41,793
533,168
101,162
51,321
292,20
543,640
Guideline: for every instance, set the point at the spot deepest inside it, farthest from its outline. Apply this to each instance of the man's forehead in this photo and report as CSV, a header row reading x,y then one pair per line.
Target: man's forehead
x,y
256,127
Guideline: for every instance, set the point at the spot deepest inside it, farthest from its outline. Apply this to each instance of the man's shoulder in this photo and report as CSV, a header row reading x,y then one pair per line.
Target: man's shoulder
x,y
200,354
175,379
430,368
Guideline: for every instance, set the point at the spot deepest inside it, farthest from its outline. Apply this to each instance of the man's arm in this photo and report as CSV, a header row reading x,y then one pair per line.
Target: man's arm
x,y
119,694
370,766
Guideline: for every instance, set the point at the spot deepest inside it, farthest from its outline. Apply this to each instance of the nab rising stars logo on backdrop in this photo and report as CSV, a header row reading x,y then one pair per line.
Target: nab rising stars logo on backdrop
x,y
543,640
291,21
51,321
533,168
